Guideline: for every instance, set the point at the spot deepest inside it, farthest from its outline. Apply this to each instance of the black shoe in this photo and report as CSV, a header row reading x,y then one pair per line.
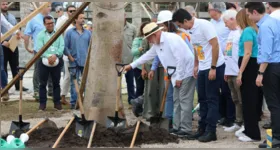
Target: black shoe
x,y
228,124
263,145
195,136
24,89
182,134
42,107
173,131
222,121
170,124
267,126
58,107
211,136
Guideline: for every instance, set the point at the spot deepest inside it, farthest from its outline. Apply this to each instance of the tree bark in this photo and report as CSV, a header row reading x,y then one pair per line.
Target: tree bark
x,y
100,94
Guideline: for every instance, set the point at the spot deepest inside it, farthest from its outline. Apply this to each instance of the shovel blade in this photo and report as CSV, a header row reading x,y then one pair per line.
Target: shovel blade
x,y
113,122
83,128
15,125
160,123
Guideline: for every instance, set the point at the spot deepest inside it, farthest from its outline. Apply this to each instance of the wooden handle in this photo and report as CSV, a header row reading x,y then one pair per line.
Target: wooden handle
x,y
63,132
24,21
118,93
36,126
91,135
164,96
79,97
135,134
20,98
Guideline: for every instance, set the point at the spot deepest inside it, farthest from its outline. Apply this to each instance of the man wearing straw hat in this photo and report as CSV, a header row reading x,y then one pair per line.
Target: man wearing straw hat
x,y
172,50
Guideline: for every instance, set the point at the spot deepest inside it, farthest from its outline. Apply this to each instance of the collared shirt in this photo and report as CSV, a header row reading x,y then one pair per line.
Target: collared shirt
x,y
5,23
275,14
11,19
56,48
76,45
172,51
33,27
129,34
222,32
269,40
202,32
60,21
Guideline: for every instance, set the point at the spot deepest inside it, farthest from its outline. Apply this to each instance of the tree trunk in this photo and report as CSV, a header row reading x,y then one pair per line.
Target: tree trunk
x,y
100,94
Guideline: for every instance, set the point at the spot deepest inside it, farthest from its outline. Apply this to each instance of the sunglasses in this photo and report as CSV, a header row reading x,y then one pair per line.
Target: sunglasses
x,y
71,11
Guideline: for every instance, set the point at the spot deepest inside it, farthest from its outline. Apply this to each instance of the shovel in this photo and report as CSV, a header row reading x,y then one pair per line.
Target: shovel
x,y
158,121
115,121
19,125
83,126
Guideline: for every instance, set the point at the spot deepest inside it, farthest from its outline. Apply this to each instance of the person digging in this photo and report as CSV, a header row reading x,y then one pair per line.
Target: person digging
x,y
173,51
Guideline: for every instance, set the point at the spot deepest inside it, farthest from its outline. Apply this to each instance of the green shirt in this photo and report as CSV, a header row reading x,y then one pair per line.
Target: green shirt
x,y
249,34
56,48
139,42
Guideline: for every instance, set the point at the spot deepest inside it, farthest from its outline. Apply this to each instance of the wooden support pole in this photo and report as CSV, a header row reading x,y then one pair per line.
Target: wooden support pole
x,y
10,4
145,9
46,46
34,5
24,21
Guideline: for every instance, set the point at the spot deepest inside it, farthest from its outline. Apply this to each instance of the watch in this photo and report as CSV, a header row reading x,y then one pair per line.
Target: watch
x,y
213,67
260,73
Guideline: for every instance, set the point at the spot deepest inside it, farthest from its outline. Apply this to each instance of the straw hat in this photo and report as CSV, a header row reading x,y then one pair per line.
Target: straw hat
x,y
150,29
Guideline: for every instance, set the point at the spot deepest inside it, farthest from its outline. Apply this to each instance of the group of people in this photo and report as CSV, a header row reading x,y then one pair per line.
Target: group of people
x,y
231,60
69,50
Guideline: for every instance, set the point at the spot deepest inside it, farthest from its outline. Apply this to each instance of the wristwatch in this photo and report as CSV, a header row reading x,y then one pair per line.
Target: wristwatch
x,y
213,67
260,73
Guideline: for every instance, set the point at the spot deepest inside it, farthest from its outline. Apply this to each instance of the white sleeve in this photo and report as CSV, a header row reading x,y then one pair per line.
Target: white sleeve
x,y
149,55
6,23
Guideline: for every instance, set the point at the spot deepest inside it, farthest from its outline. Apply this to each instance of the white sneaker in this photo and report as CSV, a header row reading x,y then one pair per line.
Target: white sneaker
x,y
232,128
245,138
239,132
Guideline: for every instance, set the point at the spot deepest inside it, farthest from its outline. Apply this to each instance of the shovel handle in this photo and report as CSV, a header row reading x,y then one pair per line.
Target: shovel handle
x,y
118,94
168,69
121,69
135,134
91,135
164,96
19,73
20,100
63,132
79,97
36,126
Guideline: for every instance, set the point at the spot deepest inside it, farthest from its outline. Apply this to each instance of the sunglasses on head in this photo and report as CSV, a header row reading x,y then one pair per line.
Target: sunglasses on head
x,y
71,11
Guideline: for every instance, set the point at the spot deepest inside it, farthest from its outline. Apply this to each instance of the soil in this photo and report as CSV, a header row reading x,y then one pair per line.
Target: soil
x,y
103,137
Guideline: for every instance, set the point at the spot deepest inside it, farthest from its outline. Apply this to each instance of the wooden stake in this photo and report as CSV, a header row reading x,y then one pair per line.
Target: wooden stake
x,y
63,132
36,126
24,21
135,134
92,134
47,45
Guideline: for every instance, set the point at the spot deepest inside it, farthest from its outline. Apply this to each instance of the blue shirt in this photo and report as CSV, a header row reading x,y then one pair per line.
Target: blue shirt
x,y
10,18
269,40
249,34
33,27
76,45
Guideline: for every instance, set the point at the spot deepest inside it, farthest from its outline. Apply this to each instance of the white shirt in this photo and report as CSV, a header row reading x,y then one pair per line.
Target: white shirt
x,y
6,24
276,14
202,32
60,21
231,53
172,51
222,32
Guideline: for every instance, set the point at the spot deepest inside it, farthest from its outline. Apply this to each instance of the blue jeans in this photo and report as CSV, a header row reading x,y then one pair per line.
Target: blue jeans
x,y
129,76
208,97
4,79
73,92
169,104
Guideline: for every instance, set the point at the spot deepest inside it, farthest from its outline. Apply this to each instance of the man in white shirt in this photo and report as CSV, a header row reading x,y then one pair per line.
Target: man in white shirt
x,y
211,64
274,9
62,18
173,51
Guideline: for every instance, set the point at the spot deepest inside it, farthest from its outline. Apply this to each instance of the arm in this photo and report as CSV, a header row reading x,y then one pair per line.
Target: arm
x,y
6,23
215,51
155,63
247,54
144,58
27,34
67,44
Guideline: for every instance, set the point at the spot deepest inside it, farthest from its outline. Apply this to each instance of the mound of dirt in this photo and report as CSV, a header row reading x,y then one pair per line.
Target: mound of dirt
x,y
103,137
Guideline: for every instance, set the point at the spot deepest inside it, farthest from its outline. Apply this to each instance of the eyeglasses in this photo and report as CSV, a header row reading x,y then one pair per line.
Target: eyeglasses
x,y
71,11
51,23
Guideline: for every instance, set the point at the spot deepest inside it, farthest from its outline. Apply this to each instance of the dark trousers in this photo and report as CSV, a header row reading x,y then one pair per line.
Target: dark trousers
x,y
139,82
11,58
44,73
271,89
251,99
129,76
208,97
3,75
226,105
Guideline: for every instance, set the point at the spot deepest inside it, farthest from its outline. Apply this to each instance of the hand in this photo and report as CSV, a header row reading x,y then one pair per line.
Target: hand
x,y
50,60
53,57
259,81
178,83
239,79
6,44
18,34
195,71
144,73
212,74
127,68
226,78
140,49
151,75
71,58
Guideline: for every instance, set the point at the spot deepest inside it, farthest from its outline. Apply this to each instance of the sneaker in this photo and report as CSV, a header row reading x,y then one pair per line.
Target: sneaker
x,y
228,124
263,145
232,128
182,134
210,136
173,131
239,132
267,126
195,136
245,138
24,89
222,121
